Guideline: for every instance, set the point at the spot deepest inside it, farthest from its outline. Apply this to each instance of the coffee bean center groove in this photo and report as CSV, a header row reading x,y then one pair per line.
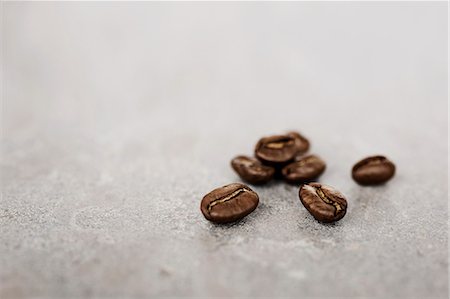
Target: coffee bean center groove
x,y
227,197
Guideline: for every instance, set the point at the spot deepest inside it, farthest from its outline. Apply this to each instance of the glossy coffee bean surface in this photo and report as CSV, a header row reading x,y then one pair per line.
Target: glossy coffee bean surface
x,y
373,170
252,170
323,202
276,150
304,169
301,142
229,203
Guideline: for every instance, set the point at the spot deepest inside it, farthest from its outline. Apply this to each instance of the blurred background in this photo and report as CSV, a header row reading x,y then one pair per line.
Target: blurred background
x,y
118,117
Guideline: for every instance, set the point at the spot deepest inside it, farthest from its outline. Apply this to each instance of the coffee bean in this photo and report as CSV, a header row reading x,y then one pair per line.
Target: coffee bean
x,y
276,150
325,203
301,142
229,203
251,170
304,169
373,170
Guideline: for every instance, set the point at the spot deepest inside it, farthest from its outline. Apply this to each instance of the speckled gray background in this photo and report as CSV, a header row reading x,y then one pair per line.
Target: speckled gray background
x,y
118,118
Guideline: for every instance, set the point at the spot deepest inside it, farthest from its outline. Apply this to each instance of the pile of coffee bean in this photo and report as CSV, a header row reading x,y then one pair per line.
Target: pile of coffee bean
x,y
285,156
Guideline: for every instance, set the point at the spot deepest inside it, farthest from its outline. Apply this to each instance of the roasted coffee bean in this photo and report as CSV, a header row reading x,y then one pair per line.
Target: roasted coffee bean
x,y
325,203
251,170
276,150
229,203
373,170
304,169
301,142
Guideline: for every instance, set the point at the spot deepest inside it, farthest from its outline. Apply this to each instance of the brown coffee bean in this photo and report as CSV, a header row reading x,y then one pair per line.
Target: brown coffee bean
x,y
325,203
229,203
276,150
304,169
301,142
373,170
251,170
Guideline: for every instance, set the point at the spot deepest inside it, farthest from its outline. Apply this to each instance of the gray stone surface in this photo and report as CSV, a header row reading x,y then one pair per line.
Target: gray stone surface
x,y
118,117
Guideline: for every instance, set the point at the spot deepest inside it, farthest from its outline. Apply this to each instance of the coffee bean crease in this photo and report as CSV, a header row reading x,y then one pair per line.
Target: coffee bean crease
x,y
279,145
324,202
227,197
229,203
322,196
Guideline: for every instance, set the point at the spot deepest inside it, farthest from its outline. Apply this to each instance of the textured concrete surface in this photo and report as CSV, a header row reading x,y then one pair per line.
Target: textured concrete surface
x,y
118,118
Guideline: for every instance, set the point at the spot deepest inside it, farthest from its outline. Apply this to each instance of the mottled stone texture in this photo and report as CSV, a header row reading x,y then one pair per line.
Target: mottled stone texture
x,y
118,117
